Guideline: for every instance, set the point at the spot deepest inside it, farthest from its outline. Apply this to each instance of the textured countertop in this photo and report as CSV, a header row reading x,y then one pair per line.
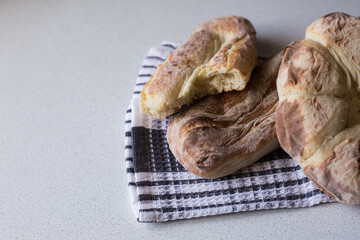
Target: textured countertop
x,y
67,70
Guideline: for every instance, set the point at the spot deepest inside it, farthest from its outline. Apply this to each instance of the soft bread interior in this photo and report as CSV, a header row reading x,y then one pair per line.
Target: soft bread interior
x,y
209,79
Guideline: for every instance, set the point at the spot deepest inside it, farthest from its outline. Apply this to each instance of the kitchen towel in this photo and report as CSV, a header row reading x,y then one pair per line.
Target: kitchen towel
x,y
161,189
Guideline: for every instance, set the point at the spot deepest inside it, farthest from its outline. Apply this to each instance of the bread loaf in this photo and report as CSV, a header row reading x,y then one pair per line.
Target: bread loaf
x,y
219,56
223,133
318,117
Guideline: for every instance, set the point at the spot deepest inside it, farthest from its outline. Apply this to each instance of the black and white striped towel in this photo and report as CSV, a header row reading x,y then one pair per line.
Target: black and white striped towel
x,y
161,189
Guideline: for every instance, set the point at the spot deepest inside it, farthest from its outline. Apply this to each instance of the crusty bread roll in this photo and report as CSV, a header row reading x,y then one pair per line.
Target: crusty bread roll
x,y
223,133
219,56
318,116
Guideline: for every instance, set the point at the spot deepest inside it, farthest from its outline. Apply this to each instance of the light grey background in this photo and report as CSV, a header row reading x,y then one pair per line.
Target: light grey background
x,y
67,70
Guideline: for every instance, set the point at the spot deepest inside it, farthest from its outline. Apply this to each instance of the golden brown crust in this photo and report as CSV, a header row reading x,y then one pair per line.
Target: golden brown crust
x,y
187,56
222,133
344,159
339,29
318,117
235,52
290,127
219,56
304,61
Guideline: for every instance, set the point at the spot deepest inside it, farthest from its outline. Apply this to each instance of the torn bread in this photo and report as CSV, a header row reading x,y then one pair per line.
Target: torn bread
x,y
219,56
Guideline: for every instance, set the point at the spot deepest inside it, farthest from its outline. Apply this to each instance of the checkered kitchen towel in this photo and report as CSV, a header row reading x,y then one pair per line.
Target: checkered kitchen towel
x,y
161,189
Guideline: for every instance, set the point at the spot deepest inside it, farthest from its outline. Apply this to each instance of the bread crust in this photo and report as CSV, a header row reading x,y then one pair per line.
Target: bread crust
x,y
318,116
223,133
219,56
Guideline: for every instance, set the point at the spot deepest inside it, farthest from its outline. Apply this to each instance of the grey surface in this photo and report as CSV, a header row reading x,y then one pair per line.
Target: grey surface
x,y
67,69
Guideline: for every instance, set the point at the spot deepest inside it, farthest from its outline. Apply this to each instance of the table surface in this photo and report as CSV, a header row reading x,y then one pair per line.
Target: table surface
x,y
67,70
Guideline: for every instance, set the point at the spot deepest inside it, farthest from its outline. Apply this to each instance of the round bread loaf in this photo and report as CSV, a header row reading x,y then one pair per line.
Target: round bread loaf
x,y
318,116
219,56
223,133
